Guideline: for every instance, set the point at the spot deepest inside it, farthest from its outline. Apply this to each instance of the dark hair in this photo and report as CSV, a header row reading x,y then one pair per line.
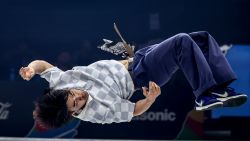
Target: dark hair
x,y
51,109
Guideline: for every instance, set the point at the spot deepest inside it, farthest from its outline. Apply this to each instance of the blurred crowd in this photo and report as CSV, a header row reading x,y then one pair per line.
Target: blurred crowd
x,y
65,56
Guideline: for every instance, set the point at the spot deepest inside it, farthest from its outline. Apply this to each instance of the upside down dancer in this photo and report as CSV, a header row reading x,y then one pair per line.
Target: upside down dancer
x,y
100,92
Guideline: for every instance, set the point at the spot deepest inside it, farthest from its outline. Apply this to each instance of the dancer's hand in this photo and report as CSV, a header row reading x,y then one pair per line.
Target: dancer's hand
x,y
27,73
153,92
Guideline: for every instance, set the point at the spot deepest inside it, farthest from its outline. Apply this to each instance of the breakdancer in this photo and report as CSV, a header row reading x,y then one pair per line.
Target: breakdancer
x,y
100,92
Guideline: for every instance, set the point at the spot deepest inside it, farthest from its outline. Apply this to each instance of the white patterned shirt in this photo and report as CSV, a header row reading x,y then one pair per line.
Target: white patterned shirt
x,y
107,82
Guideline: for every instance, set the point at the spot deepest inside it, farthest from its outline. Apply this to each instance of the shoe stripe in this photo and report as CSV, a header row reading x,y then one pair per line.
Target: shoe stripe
x,y
208,106
231,97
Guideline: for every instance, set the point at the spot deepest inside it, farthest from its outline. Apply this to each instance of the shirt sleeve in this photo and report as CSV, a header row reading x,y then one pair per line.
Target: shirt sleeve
x,y
123,111
52,75
59,79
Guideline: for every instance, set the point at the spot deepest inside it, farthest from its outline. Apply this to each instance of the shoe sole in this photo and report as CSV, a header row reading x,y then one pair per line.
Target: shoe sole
x,y
233,100
209,107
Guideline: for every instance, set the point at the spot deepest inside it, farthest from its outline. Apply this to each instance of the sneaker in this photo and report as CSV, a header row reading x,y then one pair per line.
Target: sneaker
x,y
229,97
207,102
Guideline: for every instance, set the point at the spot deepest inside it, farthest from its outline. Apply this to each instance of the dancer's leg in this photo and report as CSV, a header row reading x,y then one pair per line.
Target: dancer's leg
x,y
160,62
222,71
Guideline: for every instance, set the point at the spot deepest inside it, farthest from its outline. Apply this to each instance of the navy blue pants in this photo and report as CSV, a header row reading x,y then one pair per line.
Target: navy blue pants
x,y
197,54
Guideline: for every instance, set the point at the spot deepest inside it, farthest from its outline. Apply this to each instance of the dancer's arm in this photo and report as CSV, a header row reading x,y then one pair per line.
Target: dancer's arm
x,y
143,105
35,67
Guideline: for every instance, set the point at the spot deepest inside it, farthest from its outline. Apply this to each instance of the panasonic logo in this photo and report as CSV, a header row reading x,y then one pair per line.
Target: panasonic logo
x,y
157,116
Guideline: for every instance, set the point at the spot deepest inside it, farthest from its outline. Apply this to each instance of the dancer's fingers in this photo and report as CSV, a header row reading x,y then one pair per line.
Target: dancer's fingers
x,y
22,72
145,91
157,88
151,87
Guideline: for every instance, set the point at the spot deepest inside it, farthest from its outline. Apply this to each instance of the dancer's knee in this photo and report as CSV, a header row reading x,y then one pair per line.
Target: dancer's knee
x,y
183,37
183,40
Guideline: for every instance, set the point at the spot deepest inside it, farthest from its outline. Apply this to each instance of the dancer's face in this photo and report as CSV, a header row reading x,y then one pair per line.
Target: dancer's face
x,y
76,100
